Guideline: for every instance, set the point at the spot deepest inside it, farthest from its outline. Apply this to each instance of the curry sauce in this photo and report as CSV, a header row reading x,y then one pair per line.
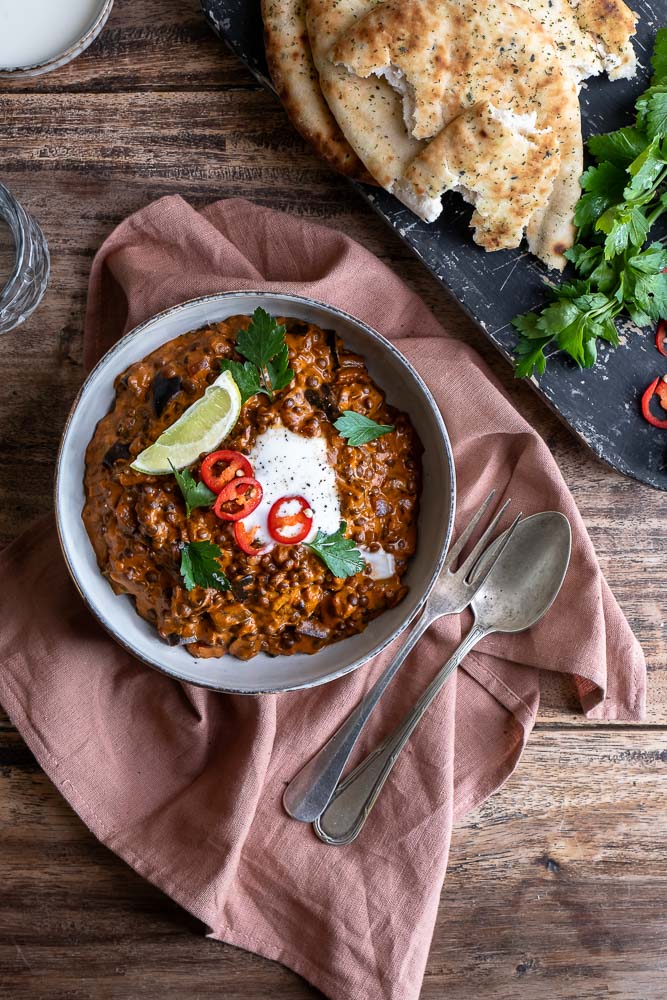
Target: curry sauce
x,y
286,600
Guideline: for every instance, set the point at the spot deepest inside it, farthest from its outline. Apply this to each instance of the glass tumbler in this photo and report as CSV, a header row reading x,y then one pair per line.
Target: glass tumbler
x,y
29,276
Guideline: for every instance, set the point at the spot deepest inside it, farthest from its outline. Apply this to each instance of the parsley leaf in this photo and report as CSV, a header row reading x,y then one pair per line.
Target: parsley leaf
x,y
278,369
195,494
659,57
339,554
358,429
625,226
262,340
656,115
267,369
245,375
603,186
620,148
200,566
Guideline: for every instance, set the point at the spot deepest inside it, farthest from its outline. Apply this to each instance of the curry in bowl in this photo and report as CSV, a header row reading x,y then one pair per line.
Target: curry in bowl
x,y
294,531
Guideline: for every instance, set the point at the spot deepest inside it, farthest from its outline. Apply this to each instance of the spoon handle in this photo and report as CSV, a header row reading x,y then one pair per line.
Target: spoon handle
x,y
354,798
309,791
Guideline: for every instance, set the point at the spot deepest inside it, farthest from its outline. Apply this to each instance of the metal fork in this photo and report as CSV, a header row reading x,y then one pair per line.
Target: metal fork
x,y
309,792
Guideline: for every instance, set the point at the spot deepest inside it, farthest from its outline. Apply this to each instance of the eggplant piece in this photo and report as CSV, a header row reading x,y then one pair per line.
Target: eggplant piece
x,y
322,399
164,389
241,587
333,347
297,327
118,452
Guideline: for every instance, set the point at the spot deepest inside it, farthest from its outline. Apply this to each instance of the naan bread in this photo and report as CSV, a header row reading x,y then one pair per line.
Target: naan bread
x,y
297,83
446,56
593,36
498,162
368,112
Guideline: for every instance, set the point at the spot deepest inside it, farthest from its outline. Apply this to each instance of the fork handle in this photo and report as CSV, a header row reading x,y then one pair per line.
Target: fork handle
x,y
309,791
354,798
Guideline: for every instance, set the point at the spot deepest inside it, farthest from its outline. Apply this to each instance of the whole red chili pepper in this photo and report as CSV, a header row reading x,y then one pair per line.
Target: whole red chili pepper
x,y
658,387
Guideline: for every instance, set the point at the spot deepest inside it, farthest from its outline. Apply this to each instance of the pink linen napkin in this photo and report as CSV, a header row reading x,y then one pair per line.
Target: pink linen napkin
x,y
186,784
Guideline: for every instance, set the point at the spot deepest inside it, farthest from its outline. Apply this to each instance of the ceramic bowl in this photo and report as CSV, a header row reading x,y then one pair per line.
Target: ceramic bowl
x,y
404,388
71,50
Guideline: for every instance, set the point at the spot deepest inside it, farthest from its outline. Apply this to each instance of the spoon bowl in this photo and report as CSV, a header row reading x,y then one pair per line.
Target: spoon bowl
x,y
527,577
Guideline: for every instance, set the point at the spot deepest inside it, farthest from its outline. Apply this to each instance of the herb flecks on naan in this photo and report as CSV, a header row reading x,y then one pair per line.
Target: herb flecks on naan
x,y
592,36
369,112
446,56
498,161
297,82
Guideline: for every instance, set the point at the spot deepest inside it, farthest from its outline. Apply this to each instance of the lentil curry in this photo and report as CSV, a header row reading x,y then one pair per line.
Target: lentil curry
x,y
285,600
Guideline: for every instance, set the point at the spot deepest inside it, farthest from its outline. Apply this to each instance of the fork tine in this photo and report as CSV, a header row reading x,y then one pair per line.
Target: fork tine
x,y
501,548
483,542
460,542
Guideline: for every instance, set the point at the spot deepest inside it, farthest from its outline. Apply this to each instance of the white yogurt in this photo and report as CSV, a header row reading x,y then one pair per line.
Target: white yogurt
x,y
381,564
34,31
289,464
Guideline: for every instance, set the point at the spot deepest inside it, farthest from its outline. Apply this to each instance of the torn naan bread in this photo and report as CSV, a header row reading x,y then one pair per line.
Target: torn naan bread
x,y
369,112
498,161
445,56
592,36
297,83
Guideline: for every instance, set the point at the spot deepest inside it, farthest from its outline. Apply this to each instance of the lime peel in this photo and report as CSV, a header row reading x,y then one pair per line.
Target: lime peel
x,y
199,430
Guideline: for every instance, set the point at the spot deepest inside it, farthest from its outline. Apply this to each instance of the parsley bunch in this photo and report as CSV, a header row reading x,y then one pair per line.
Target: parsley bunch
x,y
624,193
267,369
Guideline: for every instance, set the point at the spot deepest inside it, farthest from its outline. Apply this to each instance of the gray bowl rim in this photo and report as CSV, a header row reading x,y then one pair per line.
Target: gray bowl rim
x,y
282,297
72,51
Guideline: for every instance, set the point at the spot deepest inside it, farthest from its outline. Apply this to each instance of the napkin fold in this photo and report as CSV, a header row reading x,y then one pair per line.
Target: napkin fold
x,y
186,784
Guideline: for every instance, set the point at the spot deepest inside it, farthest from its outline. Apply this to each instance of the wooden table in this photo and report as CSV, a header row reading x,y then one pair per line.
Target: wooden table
x,y
557,887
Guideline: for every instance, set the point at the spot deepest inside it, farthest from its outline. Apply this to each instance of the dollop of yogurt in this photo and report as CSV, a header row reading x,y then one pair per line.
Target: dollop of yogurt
x,y
381,563
288,464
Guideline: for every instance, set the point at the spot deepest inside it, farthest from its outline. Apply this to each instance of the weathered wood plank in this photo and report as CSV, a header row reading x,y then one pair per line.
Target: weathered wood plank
x,y
147,45
556,888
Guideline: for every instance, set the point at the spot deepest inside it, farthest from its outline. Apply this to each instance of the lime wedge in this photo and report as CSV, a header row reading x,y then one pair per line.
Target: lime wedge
x,y
198,431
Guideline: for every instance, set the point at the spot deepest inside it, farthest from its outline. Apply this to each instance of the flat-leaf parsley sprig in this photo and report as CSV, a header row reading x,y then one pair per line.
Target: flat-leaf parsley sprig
x,y
267,369
338,553
624,194
195,494
358,429
200,566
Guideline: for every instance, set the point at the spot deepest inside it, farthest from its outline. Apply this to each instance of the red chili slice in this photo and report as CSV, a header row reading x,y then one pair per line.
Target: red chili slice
x,y
238,499
245,539
221,467
290,520
661,337
658,387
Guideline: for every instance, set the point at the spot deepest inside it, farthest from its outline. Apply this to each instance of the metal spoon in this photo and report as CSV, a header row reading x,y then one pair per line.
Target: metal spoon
x,y
517,592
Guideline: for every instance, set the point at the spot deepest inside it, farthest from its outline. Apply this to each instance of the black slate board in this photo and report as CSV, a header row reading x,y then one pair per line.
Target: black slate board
x,y
600,405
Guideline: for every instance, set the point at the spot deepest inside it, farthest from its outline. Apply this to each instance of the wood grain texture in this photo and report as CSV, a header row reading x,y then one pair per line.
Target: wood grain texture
x,y
556,887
